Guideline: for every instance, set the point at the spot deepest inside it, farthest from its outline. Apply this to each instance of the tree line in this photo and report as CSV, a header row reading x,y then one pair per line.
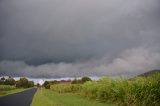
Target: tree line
x,y
47,84
21,83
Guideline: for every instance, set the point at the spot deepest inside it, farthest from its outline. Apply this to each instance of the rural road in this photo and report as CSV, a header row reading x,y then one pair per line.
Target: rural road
x,y
18,99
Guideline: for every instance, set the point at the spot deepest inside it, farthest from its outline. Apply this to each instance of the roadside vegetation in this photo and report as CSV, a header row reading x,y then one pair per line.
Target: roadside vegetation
x,y
140,91
7,89
9,85
46,97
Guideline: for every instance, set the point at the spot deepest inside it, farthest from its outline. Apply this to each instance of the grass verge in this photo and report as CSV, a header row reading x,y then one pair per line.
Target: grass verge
x,y
7,90
4,93
44,97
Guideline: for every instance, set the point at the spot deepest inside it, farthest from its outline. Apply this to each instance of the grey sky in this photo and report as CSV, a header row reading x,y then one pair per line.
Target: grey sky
x,y
56,38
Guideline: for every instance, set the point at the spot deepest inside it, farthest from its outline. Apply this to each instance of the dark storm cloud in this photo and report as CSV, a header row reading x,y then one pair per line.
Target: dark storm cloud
x,y
45,38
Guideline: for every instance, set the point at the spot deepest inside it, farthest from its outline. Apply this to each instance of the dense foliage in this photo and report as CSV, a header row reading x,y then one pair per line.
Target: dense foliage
x,y
48,83
6,87
140,91
24,83
21,83
63,88
81,81
8,81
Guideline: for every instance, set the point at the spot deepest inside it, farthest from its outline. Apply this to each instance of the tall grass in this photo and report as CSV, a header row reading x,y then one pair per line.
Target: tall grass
x,y
64,88
141,91
45,97
6,87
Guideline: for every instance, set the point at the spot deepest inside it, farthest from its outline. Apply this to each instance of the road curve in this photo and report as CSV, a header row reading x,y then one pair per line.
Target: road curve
x,y
18,99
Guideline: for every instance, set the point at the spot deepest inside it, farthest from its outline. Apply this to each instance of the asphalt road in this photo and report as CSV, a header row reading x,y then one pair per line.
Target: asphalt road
x,y
18,99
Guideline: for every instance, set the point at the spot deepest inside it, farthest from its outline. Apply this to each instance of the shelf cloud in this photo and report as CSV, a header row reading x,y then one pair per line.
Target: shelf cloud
x,y
59,38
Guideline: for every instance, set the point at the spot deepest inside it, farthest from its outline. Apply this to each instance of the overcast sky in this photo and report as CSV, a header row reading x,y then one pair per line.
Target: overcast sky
x,y
71,38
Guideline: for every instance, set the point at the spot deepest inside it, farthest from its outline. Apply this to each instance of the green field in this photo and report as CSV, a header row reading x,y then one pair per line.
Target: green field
x,y
7,89
139,91
44,97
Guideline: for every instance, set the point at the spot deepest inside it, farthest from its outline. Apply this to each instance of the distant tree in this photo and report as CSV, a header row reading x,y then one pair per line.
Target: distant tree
x,y
81,81
38,85
18,84
54,82
24,83
9,77
2,79
77,81
9,81
85,79
45,84
30,84
48,86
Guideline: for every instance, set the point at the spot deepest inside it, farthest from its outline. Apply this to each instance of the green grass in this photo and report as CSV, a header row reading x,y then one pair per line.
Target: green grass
x,y
7,90
6,87
140,91
4,93
66,88
44,97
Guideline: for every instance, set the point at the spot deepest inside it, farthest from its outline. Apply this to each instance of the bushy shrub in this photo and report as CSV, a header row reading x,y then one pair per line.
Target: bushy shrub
x,y
89,89
6,87
81,81
141,91
8,81
66,88
30,84
85,79
47,84
145,91
24,83
2,79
